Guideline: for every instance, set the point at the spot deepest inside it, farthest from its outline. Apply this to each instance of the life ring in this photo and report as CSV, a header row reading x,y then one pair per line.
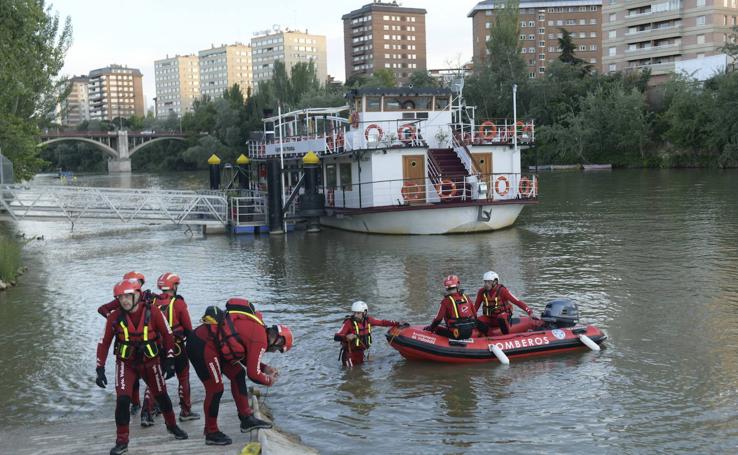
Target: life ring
x,y
402,133
330,200
440,188
487,130
375,127
410,191
528,127
499,180
355,119
525,187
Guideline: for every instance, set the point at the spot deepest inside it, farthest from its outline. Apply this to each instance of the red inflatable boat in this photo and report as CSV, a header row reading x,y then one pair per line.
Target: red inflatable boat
x,y
528,337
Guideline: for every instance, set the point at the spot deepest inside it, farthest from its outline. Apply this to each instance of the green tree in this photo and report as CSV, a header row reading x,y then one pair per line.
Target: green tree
x,y
568,48
32,49
382,78
421,78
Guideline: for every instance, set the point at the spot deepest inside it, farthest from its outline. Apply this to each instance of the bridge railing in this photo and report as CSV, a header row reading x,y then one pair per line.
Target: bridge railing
x,y
139,206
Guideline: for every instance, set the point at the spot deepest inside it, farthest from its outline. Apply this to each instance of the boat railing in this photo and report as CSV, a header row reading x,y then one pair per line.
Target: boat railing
x,y
464,155
248,211
495,132
421,191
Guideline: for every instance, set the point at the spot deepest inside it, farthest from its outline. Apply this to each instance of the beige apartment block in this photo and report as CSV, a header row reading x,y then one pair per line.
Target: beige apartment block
x,y
290,47
384,36
75,109
657,34
221,67
177,84
540,29
115,91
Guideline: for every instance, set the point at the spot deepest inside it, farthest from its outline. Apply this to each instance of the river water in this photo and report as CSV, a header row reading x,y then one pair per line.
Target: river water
x,y
650,256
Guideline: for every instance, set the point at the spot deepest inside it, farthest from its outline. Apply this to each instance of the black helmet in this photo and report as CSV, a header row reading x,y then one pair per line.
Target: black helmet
x,y
213,315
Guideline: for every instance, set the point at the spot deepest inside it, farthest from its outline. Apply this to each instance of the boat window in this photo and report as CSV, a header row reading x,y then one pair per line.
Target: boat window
x,y
392,103
357,105
345,169
421,115
408,115
373,103
423,103
441,103
330,176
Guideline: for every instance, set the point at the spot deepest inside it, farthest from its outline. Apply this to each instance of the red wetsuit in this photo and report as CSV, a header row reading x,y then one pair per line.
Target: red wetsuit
x,y
175,312
137,358
352,352
458,312
496,306
210,363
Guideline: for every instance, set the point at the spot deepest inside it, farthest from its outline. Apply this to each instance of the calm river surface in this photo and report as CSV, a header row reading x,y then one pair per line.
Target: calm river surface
x,y
650,256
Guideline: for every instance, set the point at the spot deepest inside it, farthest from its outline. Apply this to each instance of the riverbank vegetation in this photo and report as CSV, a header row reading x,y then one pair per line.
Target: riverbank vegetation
x,y
10,258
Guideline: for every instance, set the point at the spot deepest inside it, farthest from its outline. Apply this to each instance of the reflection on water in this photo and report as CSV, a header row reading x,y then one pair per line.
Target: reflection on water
x,y
650,256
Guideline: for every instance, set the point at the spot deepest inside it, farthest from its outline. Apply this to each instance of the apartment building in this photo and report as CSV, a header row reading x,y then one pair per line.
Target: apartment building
x,y
540,29
290,47
75,109
115,91
657,34
223,66
384,36
177,84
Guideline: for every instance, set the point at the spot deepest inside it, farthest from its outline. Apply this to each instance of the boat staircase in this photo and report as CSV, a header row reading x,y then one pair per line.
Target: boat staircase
x,y
445,165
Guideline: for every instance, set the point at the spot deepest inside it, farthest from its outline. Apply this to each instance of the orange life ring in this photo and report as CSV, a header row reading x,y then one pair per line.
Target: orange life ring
x,y
371,127
525,187
487,130
410,191
500,179
401,133
355,119
440,189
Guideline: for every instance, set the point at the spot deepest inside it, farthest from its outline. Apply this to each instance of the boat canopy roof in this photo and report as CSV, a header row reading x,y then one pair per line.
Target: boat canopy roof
x,y
308,112
397,91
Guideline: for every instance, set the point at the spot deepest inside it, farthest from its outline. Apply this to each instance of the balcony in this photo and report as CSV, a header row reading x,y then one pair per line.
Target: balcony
x,y
675,29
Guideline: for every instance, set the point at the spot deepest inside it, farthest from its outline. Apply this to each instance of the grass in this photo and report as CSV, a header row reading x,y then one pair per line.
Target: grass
x,y
10,258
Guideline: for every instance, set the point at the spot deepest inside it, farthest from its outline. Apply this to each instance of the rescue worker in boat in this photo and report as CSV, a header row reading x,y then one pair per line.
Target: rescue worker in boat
x,y
457,311
356,333
174,309
231,343
136,328
495,300
105,310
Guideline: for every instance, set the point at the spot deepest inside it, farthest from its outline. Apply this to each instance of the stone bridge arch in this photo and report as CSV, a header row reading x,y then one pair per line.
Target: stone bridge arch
x,y
158,139
109,151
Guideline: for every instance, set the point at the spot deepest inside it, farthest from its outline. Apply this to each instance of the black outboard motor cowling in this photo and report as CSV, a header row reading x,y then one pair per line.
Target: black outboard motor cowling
x,y
561,312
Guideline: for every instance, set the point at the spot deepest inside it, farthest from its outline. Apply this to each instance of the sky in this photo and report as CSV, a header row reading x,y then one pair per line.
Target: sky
x,y
137,32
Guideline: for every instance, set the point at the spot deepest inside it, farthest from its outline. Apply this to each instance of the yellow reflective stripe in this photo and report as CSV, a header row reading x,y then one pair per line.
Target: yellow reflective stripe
x,y
254,317
171,311
124,347
453,302
146,333
369,337
356,327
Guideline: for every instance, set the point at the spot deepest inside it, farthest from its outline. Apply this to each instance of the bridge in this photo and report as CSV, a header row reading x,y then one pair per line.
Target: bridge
x,y
118,146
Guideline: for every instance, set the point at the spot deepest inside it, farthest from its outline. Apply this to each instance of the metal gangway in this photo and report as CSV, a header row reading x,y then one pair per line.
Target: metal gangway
x,y
129,206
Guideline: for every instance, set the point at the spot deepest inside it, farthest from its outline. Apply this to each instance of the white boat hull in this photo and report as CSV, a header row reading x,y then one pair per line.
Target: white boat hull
x,y
451,220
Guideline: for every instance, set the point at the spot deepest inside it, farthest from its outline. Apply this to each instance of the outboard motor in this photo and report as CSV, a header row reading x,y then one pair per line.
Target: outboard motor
x,y
561,313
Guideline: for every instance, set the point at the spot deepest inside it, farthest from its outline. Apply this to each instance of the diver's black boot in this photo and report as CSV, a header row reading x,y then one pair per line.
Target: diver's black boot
x,y
119,449
250,423
177,432
217,438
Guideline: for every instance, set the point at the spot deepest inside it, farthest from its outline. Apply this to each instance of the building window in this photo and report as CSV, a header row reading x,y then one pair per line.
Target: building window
x,y
700,39
701,20
541,56
700,2
592,47
523,23
613,17
613,67
487,25
612,51
541,70
531,75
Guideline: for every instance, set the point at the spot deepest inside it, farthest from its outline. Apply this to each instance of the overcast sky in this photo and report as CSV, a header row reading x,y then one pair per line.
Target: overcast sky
x,y
137,32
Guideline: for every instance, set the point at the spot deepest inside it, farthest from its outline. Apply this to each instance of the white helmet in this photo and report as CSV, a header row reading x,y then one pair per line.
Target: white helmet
x,y
490,276
359,307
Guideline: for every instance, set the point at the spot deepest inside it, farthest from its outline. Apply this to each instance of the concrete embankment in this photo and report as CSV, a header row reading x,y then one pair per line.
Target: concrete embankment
x,y
97,436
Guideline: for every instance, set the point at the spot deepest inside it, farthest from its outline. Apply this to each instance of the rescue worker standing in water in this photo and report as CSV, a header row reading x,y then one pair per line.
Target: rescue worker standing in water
x,y
231,343
457,311
174,309
136,328
495,300
356,333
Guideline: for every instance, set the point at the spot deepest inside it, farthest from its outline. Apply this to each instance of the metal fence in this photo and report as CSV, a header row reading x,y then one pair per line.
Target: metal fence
x,y
6,171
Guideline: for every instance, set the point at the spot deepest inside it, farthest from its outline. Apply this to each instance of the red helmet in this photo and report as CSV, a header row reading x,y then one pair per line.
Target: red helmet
x,y
285,332
451,281
130,286
135,275
167,281
238,301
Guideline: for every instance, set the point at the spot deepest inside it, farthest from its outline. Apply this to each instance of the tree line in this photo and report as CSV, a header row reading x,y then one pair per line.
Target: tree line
x,y
581,114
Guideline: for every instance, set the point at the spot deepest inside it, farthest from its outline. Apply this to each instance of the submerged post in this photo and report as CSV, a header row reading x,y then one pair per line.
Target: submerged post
x,y
312,203
214,163
243,163
274,196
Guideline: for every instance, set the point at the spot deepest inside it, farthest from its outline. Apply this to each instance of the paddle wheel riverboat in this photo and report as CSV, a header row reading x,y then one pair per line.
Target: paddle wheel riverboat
x,y
405,161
